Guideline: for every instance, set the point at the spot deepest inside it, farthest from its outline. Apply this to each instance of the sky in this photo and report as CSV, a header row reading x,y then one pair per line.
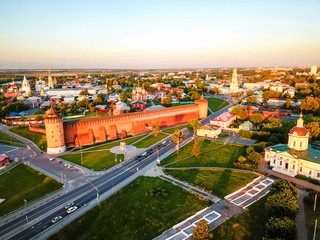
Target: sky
x,y
158,34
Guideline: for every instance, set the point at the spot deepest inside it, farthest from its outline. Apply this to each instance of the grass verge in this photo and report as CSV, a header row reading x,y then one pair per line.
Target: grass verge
x,y
150,140
7,137
213,154
97,161
250,226
216,104
171,130
132,213
38,139
216,181
23,182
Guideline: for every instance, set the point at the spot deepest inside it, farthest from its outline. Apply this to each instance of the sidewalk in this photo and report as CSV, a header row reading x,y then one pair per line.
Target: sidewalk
x,y
301,217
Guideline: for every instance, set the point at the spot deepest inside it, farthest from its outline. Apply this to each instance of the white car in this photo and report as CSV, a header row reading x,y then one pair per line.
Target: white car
x,y
72,209
51,158
56,219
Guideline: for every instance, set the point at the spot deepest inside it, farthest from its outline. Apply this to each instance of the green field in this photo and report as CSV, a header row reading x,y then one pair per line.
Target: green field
x,y
150,140
249,226
23,182
216,104
311,216
117,143
219,182
6,137
133,214
224,136
171,130
97,161
213,154
38,139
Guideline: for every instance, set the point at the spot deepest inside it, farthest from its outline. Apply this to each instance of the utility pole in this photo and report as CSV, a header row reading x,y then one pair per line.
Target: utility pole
x,y
315,230
315,202
96,190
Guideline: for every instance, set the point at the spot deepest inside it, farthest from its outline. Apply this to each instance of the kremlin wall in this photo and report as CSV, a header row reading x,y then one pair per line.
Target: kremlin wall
x,y
99,129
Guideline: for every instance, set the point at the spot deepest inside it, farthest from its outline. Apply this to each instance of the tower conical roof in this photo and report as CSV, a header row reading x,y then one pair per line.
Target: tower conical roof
x,y
51,112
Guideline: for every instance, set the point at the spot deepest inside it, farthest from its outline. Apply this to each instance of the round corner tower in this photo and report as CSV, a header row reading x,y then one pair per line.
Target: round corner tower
x,y
54,132
202,107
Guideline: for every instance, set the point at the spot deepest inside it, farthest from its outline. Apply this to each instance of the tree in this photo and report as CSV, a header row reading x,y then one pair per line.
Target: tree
x,y
256,118
196,149
254,157
313,129
202,231
310,104
283,204
84,92
193,125
282,228
123,97
241,112
280,185
242,159
155,128
249,93
178,137
251,99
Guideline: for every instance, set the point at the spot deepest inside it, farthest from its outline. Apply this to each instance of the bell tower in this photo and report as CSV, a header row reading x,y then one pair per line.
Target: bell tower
x,y
234,84
54,132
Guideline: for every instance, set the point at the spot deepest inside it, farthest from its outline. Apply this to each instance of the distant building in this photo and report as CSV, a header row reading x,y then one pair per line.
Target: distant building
x,y
120,108
296,157
25,86
246,126
224,120
4,160
40,84
314,70
209,131
140,105
139,94
50,81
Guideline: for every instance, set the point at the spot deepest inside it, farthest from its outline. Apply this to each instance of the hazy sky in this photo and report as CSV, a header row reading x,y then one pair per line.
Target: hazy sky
x,y
158,34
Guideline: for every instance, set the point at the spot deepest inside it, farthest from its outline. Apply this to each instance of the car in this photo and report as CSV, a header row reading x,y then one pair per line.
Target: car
x,y
60,161
72,209
51,158
143,154
164,143
56,219
69,205
65,164
70,165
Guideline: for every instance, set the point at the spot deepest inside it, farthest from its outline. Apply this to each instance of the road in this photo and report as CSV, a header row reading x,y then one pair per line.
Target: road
x,y
42,215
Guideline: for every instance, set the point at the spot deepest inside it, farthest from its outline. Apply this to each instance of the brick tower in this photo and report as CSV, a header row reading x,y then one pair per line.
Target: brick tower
x,y
54,132
202,106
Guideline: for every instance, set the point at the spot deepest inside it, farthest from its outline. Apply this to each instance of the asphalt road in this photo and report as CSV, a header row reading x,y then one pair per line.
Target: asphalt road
x,y
87,192
83,194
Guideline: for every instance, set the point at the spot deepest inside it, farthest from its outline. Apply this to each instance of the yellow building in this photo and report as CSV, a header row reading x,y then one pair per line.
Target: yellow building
x,y
209,131
298,157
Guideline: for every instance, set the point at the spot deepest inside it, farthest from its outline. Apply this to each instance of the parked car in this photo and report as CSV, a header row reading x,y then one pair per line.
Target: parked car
x,y
60,161
65,164
144,154
72,209
69,205
56,219
51,158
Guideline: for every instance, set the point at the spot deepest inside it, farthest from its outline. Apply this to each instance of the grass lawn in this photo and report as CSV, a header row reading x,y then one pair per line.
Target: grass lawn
x,y
216,104
171,130
219,182
218,155
6,137
99,160
150,140
224,136
249,226
38,138
132,214
113,144
23,182
311,216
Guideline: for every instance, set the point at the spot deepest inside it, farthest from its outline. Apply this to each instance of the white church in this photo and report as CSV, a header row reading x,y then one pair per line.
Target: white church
x,y
234,87
25,87
296,157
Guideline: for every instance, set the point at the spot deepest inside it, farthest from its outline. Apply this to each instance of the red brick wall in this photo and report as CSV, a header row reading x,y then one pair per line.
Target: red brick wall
x,y
91,130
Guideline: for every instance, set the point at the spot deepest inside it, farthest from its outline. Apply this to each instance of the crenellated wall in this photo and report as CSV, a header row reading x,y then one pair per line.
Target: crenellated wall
x,y
99,129
36,128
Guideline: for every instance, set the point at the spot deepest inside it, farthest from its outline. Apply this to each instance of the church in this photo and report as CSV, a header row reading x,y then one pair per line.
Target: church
x,y
234,86
296,157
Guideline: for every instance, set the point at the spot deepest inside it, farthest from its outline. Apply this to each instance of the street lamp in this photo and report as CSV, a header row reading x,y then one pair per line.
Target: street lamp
x,y
96,190
158,159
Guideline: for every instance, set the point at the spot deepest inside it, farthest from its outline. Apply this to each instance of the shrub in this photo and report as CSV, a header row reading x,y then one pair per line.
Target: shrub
x,y
282,228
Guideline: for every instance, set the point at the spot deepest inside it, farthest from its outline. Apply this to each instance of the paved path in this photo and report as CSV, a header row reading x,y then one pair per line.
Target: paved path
x,y
152,102
300,183
301,217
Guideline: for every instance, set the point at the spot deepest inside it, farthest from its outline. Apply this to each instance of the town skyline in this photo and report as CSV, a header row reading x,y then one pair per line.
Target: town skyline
x,y
166,35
